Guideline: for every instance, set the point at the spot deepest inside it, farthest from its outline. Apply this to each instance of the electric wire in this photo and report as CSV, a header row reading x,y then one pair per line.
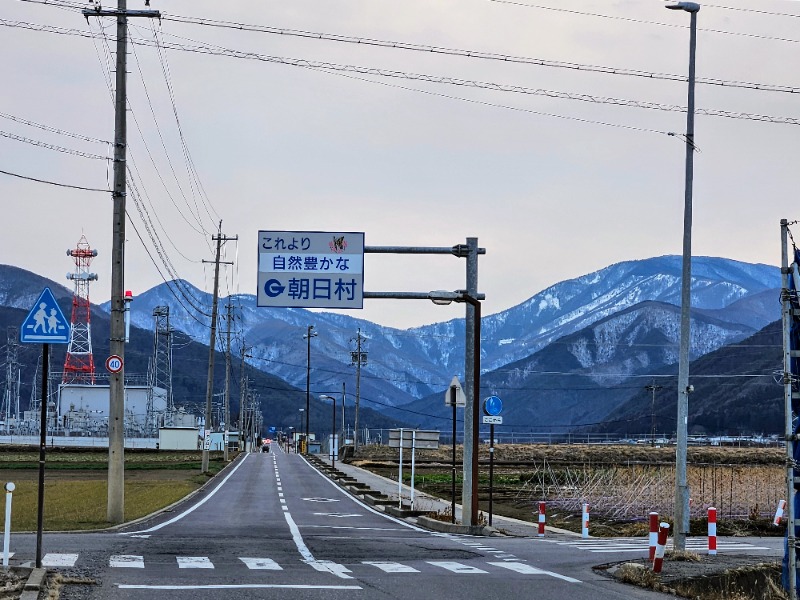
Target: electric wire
x,y
56,183
48,146
52,129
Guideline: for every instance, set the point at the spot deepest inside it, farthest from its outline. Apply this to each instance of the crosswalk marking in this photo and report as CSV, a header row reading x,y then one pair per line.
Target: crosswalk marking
x,y
455,567
59,560
194,562
529,570
261,563
329,566
612,545
391,567
126,561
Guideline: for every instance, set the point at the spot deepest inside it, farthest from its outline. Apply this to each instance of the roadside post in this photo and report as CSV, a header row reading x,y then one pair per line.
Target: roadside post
x,y
454,397
492,407
411,439
10,487
45,325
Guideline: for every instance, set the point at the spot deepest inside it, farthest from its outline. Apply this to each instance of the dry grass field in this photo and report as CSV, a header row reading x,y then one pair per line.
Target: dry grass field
x,y
621,483
76,489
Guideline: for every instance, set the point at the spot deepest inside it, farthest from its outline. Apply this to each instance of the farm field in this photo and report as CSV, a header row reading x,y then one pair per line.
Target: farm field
x,y
622,484
76,489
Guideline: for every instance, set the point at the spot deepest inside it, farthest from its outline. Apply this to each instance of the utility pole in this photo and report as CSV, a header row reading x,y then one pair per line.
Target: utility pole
x,y
358,358
227,417
309,334
219,238
653,388
116,412
242,400
469,491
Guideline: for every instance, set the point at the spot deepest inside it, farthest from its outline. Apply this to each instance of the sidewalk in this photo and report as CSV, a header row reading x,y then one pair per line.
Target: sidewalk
x,y
427,503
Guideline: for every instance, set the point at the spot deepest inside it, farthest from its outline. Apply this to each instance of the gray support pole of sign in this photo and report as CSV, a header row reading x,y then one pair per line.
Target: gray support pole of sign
x,y
413,463
491,470
42,452
453,392
469,494
786,318
681,485
116,410
399,474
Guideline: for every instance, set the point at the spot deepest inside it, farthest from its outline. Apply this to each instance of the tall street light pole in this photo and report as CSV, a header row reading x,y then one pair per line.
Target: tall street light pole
x,y
442,297
309,334
681,486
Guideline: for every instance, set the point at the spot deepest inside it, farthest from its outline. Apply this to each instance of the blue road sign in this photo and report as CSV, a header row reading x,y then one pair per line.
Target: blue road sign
x,y
492,406
45,324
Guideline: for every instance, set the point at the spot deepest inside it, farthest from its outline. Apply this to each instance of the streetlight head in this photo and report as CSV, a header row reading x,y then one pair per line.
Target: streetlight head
x,y
691,7
442,297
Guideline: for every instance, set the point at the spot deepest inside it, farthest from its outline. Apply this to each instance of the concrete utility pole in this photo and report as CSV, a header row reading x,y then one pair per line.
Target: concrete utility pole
x,y
242,396
219,238
469,491
229,318
653,388
358,358
684,389
309,334
116,411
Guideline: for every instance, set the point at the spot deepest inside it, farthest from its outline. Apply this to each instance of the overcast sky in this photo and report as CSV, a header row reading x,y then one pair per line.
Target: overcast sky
x,y
552,187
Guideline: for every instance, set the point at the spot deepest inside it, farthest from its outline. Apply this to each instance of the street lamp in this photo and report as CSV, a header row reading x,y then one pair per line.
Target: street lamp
x,y
333,429
681,486
309,334
444,298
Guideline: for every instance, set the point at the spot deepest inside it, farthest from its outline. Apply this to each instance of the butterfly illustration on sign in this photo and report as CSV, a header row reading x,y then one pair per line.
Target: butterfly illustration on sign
x,y
338,245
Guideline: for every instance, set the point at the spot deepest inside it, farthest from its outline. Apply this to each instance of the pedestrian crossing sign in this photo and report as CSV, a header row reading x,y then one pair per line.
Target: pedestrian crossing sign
x,y
45,323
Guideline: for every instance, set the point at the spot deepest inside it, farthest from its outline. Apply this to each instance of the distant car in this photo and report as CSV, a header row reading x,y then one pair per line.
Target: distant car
x,y
265,448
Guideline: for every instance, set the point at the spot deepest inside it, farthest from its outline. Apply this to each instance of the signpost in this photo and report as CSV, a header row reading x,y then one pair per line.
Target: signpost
x,y
413,439
492,407
454,397
45,325
310,269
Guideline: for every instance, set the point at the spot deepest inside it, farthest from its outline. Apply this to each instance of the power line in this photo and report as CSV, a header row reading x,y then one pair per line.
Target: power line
x,y
507,58
52,129
65,185
40,144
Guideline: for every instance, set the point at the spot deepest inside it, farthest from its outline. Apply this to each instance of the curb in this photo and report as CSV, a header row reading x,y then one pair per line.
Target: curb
x,y
35,584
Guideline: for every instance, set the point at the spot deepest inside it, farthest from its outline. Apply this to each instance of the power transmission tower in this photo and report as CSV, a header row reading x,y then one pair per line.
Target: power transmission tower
x,y
359,359
11,396
116,412
79,363
219,238
160,372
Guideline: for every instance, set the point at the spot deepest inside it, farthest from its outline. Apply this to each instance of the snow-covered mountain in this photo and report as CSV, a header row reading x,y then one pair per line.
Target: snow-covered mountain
x,y
408,364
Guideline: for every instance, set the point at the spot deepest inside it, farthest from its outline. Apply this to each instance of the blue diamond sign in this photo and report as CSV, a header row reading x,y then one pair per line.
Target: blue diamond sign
x,y
45,323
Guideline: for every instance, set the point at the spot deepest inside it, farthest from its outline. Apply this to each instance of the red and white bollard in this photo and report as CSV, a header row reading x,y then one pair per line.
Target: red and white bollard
x,y
712,530
663,534
653,535
585,523
542,518
779,513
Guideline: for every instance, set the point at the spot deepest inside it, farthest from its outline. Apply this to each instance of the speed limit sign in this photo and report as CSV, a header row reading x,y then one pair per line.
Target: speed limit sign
x,y
114,364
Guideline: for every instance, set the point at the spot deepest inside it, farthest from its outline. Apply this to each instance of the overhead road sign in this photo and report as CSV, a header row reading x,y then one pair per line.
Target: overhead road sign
x,y
45,323
310,269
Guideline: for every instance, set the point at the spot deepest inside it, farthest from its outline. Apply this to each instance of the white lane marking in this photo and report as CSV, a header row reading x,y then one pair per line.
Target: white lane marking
x,y
129,561
369,508
529,570
350,527
283,501
320,499
261,563
285,508
455,567
194,562
328,566
59,560
144,537
297,538
337,515
196,506
241,586
391,567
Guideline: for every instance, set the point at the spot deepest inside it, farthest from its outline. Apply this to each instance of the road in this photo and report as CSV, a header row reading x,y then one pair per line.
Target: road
x,y
271,526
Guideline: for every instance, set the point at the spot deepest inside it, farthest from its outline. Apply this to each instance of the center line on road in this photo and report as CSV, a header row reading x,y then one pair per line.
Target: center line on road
x,y
241,586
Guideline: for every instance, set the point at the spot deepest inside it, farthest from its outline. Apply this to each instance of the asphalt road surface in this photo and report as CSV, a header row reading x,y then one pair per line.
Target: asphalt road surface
x,y
271,526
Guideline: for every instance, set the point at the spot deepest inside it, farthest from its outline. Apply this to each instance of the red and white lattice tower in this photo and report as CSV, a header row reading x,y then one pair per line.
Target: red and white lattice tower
x,y
79,366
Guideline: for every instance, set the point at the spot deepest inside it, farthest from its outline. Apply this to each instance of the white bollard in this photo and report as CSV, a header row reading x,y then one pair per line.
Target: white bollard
x,y
585,523
10,487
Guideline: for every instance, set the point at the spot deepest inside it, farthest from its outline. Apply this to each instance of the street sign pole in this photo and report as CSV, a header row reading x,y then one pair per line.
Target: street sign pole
x,y
491,470
453,390
42,452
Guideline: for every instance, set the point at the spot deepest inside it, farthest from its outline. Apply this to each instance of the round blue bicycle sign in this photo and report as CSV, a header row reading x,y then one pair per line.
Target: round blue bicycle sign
x,y
492,406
